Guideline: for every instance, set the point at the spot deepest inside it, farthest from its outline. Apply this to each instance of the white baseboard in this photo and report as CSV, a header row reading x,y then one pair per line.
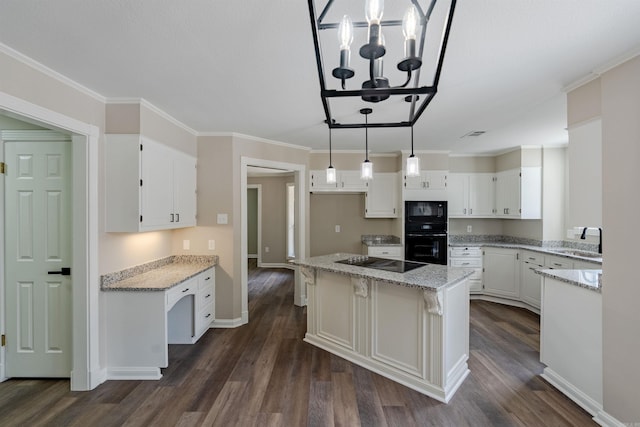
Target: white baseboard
x,y
572,392
252,256
277,265
87,380
227,323
132,373
607,420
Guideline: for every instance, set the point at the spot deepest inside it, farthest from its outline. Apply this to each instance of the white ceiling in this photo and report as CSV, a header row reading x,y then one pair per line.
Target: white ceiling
x,y
249,67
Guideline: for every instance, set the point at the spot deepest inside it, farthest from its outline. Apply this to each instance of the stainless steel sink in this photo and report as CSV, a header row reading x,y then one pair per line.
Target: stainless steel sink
x,y
577,252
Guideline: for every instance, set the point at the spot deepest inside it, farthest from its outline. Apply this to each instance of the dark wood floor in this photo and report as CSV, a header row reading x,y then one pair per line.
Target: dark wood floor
x,y
263,374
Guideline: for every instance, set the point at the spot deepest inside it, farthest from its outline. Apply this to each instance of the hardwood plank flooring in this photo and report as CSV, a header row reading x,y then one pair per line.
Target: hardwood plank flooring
x,y
263,374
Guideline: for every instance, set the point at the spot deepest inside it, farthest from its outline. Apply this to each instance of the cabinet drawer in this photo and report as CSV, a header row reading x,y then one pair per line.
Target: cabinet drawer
x,y
205,297
177,292
206,278
385,251
464,262
533,257
466,252
204,317
558,262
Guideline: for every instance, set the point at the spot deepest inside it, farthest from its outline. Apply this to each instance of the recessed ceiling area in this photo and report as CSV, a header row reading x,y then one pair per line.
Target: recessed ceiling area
x,y
249,66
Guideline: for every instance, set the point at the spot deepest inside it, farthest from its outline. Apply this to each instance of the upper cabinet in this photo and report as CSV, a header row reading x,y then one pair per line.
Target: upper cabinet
x,y
346,181
381,201
519,193
150,186
471,195
430,185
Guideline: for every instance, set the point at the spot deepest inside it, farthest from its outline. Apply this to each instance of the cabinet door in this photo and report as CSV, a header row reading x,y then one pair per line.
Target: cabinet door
x,y
156,195
435,180
531,284
351,181
508,194
501,272
318,181
184,190
482,194
381,201
414,182
458,194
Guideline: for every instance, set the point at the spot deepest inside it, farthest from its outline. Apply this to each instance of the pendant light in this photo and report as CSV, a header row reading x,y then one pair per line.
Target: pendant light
x,y
413,162
366,171
331,171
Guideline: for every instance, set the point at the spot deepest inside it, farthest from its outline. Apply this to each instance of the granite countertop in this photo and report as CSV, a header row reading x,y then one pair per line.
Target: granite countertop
x,y
430,277
381,240
550,250
588,279
158,275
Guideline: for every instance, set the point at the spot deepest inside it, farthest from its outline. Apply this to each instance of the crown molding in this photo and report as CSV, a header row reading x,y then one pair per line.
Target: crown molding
x,y
599,71
30,62
143,102
255,138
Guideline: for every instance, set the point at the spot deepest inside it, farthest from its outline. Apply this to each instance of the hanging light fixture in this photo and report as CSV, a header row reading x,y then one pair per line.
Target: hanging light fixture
x,y
420,16
413,162
366,171
331,171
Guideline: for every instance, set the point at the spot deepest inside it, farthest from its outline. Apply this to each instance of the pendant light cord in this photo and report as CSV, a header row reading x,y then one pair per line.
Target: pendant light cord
x,y
411,140
330,165
366,137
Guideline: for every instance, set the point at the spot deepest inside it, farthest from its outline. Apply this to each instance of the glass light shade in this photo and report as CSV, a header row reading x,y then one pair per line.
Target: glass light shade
x,y
373,11
410,23
345,32
331,175
366,171
413,166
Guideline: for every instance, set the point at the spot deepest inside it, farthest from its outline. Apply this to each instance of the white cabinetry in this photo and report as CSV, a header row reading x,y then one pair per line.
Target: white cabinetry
x,y
346,181
471,195
519,193
391,252
530,281
469,257
501,272
430,185
381,201
149,186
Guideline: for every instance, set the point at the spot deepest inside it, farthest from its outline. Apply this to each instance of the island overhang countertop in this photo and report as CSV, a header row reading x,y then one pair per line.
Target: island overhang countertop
x,y
430,277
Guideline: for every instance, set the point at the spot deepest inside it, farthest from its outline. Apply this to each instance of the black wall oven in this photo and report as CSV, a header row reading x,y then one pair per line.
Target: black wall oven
x,y
425,232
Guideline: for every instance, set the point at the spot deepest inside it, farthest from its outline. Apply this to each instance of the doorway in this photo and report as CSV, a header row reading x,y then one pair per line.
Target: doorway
x,y
254,222
86,372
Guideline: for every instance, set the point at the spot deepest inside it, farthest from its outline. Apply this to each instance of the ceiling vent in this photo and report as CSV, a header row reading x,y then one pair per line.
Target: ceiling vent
x,y
474,133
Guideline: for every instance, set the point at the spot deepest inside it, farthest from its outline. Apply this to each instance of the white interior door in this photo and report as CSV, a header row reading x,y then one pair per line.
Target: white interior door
x,y
37,245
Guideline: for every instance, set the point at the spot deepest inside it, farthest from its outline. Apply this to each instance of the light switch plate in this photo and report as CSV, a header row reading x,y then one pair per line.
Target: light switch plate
x,y
223,218
186,245
212,245
337,228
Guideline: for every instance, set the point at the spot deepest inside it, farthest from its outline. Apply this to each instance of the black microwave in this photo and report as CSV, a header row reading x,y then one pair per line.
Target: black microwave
x,y
425,212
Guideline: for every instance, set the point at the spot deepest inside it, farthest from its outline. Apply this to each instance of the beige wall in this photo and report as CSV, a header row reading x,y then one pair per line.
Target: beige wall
x,y
122,118
509,160
553,193
252,220
347,211
584,103
274,217
621,204
479,227
352,161
472,164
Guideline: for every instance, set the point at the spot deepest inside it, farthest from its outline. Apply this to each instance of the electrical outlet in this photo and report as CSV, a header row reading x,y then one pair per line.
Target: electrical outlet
x,y
469,229
186,245
212,245
266,249
337,228
223,218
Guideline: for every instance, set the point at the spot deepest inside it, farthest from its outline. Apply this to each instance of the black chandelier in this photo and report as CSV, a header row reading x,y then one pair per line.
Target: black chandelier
x,y
425,31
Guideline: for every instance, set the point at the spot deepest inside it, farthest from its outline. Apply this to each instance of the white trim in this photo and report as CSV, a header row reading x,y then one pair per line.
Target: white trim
x,y
30,62
607,420
143,102
598,71
426,151
573,393
252,256
278,265
127,373
227,323
87,373
259,237
255,138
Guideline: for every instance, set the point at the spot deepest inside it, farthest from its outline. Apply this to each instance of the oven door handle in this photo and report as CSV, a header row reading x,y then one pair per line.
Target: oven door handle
x,y
427,235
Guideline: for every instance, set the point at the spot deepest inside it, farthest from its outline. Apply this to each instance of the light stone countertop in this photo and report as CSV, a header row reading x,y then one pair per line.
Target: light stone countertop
x,y
588,279
430,277
158,275
381,240
552,250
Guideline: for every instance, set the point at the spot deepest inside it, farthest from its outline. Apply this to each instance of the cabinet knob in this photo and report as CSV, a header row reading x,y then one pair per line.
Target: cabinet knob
x,y
186,290
171,220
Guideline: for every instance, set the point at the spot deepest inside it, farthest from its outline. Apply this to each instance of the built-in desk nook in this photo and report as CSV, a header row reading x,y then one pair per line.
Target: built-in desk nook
x,y
170,301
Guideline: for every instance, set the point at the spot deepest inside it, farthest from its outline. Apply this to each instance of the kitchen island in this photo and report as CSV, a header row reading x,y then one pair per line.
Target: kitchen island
x,y
411,327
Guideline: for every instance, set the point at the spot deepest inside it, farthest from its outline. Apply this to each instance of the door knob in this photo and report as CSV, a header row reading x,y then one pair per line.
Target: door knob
x,y
65,271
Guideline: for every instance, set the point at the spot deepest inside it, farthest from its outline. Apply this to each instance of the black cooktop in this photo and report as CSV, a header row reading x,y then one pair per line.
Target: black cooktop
x,y
385,264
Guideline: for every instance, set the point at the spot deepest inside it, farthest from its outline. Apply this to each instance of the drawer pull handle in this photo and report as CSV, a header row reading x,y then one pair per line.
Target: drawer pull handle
x,y
207,316
465,263
186,290
557,264
532,259
207,296
207,278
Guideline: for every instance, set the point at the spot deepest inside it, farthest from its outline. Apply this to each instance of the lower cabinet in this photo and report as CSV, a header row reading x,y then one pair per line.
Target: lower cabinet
x,y
501,272
469,257
530,281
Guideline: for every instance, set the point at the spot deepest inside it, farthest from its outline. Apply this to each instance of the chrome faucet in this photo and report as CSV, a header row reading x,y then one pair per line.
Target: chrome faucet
x,y
583,236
